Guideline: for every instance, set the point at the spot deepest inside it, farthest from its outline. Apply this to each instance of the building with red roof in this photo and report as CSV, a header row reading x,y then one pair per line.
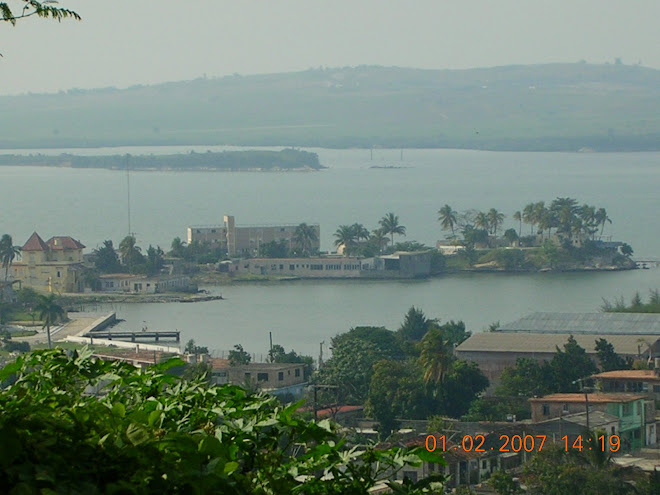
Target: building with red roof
x,y
50,266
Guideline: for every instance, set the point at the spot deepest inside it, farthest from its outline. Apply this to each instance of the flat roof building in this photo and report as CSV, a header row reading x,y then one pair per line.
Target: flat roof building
x,y
587,323
246,240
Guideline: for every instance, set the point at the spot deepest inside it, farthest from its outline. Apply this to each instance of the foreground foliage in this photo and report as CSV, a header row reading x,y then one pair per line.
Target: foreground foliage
x,y
150,432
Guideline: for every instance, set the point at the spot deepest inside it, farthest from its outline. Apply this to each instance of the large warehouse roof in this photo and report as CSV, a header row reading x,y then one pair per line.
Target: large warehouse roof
x,y
630,345
587,323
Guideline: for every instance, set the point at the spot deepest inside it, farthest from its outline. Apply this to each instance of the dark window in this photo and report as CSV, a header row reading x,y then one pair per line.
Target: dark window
x,y
546,409
292,267
281,267
280,375
59,274
297,371
262,377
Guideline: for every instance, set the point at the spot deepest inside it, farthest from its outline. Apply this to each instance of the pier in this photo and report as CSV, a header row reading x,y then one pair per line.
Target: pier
x,y
133,336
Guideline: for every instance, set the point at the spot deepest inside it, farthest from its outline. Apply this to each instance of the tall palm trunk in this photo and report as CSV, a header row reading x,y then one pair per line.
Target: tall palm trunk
x,y
50,344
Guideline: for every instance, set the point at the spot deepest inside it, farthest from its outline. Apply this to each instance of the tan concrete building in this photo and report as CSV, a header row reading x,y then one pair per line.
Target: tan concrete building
x,y
52,266
274,378
397,265
245,240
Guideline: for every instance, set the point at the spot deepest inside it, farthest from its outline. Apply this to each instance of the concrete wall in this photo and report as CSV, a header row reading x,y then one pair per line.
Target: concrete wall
x,y
302,267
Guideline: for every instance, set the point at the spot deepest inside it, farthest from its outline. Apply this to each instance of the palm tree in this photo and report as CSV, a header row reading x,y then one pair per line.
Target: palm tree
x,y
129,251
447,218
517,216
390,225
360,232
8,253
495,219
304,236
481,221
601,217
379,238
345,235
178,247
49,312
528,217
435,356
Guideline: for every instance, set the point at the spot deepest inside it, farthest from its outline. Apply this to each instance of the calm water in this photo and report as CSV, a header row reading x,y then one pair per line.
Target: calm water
x,y
91,205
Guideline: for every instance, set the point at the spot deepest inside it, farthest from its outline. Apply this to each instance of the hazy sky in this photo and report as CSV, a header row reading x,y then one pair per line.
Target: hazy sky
x,y
123,42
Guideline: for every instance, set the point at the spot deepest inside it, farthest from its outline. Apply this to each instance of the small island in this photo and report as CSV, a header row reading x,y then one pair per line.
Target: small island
x,y
288,159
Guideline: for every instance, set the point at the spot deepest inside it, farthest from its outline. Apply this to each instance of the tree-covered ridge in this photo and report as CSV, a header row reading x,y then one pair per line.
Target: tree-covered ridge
x,y
498,108
286,159
152,433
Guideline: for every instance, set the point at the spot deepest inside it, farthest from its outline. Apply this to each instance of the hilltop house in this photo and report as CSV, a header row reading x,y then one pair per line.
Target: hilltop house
x,y
54,265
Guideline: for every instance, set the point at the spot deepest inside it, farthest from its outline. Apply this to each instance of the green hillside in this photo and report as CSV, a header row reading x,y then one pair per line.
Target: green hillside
x,y
544,107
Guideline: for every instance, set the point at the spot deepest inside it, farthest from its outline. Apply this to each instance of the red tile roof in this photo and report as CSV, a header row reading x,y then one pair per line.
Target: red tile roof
x,y
593,398
35,243
64,242
639,375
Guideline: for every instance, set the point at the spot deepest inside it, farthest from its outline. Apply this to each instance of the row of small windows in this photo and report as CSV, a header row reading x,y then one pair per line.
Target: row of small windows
x,y
263,377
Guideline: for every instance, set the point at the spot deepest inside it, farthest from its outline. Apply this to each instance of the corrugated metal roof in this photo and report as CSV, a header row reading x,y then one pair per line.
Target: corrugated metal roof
x,y
630,345
597,398
587,323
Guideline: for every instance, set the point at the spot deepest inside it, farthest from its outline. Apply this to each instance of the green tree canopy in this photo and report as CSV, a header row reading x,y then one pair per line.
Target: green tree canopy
x,y
151,433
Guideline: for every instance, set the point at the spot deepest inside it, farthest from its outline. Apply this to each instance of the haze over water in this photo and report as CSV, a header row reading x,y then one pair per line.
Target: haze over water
x,y
91,205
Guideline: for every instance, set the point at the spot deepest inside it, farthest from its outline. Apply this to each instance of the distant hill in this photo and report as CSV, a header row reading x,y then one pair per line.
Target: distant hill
x,y
567,107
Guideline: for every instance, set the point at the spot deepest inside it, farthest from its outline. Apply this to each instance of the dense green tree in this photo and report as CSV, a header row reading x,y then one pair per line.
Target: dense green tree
x,y
239,356
555,471
463,383
49,313
151,433
415,325
397,391
569,365
511,236
274,249
389,224
8,253
609,360
154,260
526,379
454,332
503,484
473,236
626,250
379,239
304,237
106,259
447,218
354,354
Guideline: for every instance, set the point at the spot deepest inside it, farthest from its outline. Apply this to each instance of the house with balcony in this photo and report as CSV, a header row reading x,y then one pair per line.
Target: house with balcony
x,y
645,382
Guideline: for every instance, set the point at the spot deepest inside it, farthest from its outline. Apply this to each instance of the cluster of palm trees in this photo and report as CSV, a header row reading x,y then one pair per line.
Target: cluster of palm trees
x,y
304,238
565,215
8,253
351,236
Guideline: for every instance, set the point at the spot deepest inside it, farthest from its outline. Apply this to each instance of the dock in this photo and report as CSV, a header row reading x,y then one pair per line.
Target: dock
x,y
156,336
